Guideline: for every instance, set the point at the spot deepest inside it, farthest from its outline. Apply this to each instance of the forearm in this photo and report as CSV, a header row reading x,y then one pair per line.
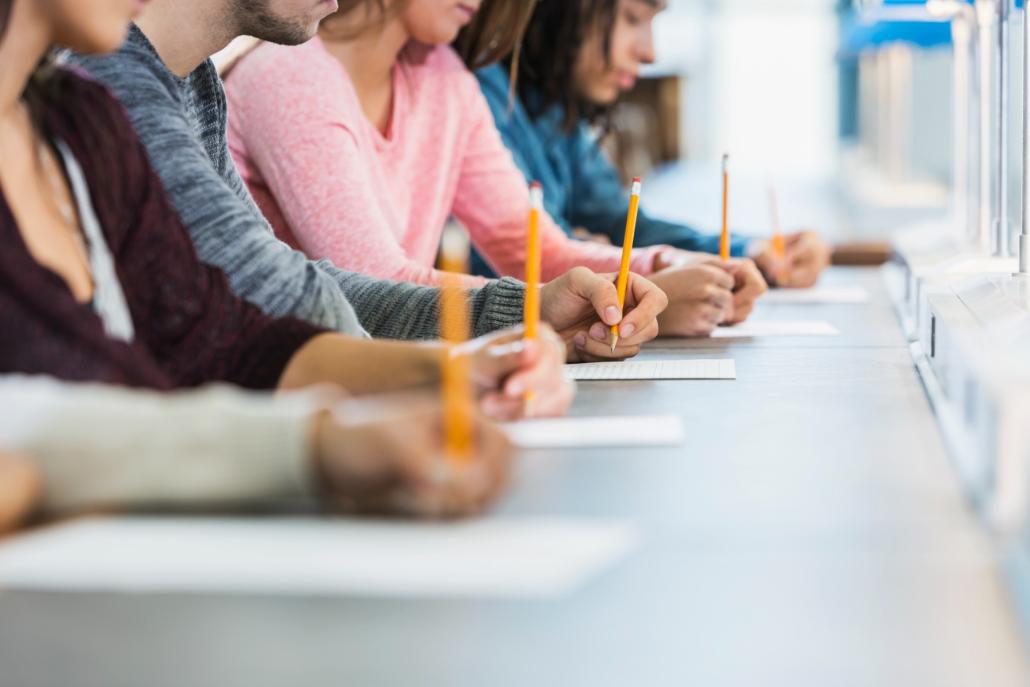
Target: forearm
x,y
361,366
126,449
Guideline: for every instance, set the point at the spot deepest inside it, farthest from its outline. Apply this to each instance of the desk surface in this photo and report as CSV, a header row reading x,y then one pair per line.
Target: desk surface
x,y
810,532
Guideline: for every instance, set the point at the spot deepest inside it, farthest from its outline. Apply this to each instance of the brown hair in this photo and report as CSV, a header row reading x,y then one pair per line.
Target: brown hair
x,y
495,31
546,64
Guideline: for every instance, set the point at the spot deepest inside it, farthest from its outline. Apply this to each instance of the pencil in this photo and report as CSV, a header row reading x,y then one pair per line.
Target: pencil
x,y
779,245
531,313
627,253
724,239
454,330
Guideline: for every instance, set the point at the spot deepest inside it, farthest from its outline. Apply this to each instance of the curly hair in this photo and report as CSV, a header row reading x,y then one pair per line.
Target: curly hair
x,y
547,61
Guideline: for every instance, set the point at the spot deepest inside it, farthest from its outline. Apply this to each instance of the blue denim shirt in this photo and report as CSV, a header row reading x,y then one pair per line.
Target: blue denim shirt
x,y
581,186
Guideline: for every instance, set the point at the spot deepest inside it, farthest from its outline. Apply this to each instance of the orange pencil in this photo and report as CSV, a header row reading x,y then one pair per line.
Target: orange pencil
x,y
454,329
531,313
724,239
627,253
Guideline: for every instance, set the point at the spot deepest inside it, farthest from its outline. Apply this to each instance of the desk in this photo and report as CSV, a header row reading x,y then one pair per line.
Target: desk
x,y
811,532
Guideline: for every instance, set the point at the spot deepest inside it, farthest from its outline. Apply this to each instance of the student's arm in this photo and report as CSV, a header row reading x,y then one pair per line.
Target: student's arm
x,y
599,203
312,163
493,202
230,233
106,447
97,445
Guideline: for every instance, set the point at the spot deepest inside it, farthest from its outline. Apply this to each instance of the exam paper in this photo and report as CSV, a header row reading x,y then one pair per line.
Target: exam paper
x,y
816,295
725,368
581,432
538,557
759,329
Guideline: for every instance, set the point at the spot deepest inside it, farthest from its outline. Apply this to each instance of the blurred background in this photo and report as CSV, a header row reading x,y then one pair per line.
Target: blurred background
x,y
844,106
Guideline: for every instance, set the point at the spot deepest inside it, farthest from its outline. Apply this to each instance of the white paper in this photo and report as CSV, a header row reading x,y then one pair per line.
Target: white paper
x,y
578,432
816,295
725,368
537,557
761,329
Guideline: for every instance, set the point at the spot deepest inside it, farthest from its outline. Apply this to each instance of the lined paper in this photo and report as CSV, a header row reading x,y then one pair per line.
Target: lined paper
x,y
724,368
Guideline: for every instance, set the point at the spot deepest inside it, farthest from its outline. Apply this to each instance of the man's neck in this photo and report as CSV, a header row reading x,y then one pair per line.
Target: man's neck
x,y
186,32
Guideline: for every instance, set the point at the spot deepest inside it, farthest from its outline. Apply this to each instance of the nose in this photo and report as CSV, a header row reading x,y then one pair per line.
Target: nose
x,y
645,47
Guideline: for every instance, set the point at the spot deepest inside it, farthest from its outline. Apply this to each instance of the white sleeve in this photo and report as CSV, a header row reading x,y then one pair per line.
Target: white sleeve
x,y
107,446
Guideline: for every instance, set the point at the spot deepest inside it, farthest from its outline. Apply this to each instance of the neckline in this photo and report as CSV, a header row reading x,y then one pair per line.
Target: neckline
x,y
398,99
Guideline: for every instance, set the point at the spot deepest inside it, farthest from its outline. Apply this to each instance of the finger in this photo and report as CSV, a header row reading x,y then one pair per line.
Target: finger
x,y
542,377
719,297
501,360
502,408
19,490
644,303
596,351
600,290
721,275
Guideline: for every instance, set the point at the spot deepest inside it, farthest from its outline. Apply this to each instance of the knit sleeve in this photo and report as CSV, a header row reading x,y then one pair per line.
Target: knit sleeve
x,y
125,448
195,327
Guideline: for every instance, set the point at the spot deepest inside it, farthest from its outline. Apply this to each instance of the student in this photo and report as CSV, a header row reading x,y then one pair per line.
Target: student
x,y
222,447
19,489
576,60
378,122
165,79
100,282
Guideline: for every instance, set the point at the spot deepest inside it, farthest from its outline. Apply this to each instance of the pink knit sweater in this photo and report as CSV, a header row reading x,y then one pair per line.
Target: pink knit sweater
x,y
333,186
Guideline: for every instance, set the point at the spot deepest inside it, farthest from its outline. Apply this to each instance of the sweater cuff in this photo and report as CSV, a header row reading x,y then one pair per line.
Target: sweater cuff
x,y
498,305
643,259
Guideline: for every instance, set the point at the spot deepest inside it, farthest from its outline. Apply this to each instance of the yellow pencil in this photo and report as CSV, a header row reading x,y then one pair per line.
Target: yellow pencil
x,y
724,239
531,314
454,329
779,244
627,253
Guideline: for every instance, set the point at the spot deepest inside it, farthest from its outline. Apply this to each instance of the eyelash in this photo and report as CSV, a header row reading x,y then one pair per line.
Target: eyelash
x,y
632,19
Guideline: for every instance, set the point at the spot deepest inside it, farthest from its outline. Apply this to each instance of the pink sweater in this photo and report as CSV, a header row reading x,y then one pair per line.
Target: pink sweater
x,y
333,186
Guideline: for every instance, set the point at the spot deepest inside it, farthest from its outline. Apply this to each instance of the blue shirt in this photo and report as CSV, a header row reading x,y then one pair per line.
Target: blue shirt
x,y
581,186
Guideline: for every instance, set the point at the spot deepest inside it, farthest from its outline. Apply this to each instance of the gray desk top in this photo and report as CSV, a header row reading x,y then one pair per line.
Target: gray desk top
x,y
810,532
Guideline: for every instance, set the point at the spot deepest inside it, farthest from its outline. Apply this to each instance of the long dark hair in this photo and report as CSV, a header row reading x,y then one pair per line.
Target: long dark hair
x,y
546,63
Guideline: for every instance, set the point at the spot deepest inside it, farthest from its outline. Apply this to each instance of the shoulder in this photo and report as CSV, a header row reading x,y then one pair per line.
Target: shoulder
x,y
493,81
134,70
78,106
279,68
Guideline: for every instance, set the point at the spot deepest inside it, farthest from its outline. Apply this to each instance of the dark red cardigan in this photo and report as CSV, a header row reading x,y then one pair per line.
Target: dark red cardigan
x,y
190,328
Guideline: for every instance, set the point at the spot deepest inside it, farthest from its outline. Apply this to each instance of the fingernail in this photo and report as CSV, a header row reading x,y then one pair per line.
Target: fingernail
x,y
598,332
515,388
580,340
626,330
612,314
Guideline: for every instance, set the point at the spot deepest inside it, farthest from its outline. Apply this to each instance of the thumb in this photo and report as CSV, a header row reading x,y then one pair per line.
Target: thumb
x,y
500,361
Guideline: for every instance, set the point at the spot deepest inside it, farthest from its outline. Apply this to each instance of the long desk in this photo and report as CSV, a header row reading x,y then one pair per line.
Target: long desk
x,y
810,532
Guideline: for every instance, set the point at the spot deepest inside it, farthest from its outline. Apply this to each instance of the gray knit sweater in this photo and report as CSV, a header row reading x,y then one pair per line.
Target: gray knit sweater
x,y
182,123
